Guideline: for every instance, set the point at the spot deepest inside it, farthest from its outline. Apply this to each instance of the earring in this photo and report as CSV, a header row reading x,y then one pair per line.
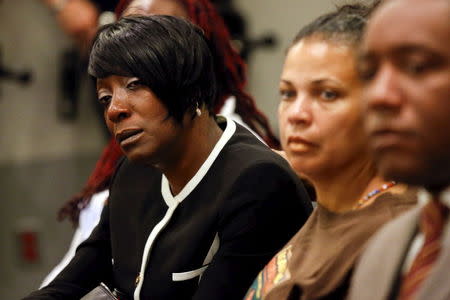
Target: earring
x,y
198,111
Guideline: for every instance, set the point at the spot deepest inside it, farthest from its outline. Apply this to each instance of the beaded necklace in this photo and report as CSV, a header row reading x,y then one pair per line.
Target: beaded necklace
x,y
366,198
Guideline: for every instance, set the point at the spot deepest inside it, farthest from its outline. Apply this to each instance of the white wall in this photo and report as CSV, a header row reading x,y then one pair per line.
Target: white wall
x,y
29,127
284,18
43,161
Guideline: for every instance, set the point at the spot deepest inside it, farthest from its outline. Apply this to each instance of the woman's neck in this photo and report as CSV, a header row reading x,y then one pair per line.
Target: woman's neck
x,y
341,193
200,139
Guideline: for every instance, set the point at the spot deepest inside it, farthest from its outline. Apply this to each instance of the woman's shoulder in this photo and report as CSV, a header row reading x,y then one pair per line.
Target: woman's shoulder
x,y
398,203
244,150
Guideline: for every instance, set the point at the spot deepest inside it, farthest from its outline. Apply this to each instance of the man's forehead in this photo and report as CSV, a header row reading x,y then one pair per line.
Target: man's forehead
x,y
414,22
411,3
412,10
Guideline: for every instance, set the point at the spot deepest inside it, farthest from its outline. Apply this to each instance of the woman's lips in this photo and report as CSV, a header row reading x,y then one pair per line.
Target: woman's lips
x,y
298,144
128,136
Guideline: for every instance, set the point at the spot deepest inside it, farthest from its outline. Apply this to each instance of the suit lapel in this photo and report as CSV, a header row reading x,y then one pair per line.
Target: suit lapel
x,y
437,286
404,231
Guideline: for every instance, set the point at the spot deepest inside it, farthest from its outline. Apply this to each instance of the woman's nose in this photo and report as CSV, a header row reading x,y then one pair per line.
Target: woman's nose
x,y
299,111
118,109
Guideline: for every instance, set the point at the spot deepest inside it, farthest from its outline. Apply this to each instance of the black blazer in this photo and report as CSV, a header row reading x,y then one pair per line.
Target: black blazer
x,y
208,242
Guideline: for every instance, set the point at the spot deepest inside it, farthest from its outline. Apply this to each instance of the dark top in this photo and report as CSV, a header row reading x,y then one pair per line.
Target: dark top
x,y
207,242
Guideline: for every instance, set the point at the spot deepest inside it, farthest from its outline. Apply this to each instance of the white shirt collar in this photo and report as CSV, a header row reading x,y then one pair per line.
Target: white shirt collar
x,y
190,186
424,196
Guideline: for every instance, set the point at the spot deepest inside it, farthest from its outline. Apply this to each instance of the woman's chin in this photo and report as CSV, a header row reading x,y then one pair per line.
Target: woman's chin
x,y
136,156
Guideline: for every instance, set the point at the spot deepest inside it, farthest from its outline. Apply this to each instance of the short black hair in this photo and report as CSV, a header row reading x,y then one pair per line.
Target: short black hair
x,y
345,24
170,55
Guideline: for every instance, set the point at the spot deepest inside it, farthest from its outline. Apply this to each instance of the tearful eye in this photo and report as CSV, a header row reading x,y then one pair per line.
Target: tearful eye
x,y
104,100
134,84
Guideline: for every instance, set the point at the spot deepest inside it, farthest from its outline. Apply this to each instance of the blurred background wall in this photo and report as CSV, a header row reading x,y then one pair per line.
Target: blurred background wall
x,y
48,148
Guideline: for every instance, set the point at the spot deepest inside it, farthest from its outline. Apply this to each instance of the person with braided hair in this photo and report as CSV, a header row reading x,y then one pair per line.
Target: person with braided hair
x,y
198,204
84,209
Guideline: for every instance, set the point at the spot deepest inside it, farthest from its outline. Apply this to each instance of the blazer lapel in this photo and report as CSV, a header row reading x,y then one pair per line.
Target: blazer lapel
x,y
404,231
437,285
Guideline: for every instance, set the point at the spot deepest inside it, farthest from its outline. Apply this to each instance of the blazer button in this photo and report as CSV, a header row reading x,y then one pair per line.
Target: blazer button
x,y
138,278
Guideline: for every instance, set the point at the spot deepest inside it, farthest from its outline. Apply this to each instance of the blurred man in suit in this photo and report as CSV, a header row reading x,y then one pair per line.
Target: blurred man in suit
x,y
405,64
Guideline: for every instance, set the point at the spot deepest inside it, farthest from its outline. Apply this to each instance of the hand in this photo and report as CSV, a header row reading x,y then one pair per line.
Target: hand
x,y
78,19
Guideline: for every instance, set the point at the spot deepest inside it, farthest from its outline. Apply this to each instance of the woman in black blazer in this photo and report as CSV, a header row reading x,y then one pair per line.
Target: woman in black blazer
x,y
199,204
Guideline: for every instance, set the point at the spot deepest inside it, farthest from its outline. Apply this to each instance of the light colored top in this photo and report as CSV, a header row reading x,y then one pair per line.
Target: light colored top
x,y
229,110
89,218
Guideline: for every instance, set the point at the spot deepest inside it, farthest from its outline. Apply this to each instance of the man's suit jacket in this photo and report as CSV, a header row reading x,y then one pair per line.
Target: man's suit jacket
x,y
377,274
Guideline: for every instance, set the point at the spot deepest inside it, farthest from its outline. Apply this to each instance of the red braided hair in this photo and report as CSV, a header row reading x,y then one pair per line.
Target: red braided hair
x,y
231,77
231,68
